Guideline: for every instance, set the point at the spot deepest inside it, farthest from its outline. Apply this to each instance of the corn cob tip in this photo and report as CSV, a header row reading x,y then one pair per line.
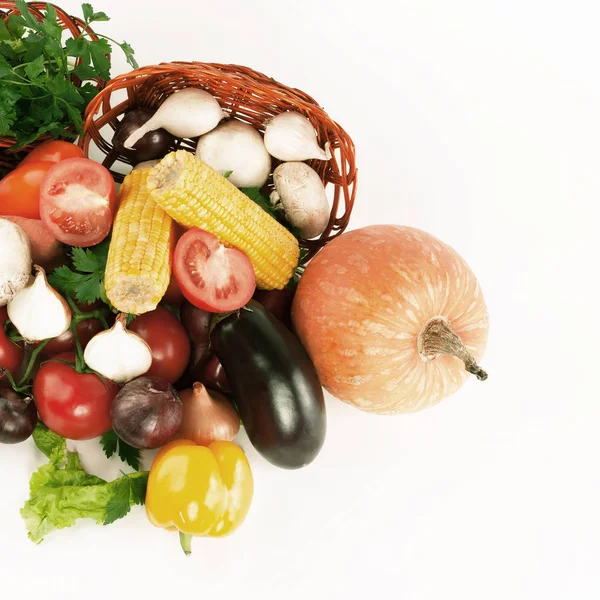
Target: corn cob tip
x,y
166,174
132,293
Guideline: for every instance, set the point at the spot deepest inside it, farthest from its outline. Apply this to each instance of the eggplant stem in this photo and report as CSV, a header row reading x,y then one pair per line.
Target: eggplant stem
x,y
437,337
185,539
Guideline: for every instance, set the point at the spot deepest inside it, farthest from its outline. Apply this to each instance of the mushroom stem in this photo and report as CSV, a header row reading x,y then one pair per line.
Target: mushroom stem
x,y
437,337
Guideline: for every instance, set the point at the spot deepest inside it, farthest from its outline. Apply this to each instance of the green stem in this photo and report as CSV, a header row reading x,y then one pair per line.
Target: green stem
x,y
32,360
185,539
7,373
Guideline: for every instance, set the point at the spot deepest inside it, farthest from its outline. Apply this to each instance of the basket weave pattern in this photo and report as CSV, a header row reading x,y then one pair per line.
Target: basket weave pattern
x,y
10,159
248,96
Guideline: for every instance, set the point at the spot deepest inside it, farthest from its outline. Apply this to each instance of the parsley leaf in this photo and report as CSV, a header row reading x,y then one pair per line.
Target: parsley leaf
x,y
90,16
255,195
118,505
112,444
38,84
86,282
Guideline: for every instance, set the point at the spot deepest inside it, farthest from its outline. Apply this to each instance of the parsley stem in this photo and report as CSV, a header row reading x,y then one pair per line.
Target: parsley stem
x,y
32,360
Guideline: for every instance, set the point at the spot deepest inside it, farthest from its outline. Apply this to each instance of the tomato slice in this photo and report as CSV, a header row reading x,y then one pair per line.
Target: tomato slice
x,y
211,276
20,190
77,202
53,151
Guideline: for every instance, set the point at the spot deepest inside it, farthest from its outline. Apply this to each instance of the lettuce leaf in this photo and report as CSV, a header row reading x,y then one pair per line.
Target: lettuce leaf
x,y
62,492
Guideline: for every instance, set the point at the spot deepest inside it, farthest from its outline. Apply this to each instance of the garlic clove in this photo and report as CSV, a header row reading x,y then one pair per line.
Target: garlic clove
x,y
186,114
118,353
39,312
290,136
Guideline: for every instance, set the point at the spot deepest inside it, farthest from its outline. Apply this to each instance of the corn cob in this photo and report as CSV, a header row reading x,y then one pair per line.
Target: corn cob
x,y
138,268
195,195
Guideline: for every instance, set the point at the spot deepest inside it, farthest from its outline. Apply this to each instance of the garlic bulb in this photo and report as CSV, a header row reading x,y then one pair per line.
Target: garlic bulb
x,y
118,354
237,147
39,312
300,192
15,270
291,136
187,113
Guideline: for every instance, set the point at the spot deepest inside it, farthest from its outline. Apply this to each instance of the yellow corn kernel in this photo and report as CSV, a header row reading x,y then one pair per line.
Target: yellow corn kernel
x,y
195,195
139,256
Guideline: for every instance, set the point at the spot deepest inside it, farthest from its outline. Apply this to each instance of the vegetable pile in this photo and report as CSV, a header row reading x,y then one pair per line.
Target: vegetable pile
x,y
170,314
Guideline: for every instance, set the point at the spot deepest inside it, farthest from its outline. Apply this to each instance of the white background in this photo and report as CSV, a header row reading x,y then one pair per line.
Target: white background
x,y
478,121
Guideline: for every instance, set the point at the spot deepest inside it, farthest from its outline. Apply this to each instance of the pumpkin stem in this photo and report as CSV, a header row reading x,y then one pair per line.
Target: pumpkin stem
x,y
437,337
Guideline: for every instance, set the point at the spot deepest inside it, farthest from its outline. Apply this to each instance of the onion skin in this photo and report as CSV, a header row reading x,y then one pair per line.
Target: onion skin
x,y
147,413
362,304
207,416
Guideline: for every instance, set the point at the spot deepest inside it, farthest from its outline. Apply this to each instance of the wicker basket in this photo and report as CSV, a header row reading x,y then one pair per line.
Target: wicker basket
x,y
10,159
248,96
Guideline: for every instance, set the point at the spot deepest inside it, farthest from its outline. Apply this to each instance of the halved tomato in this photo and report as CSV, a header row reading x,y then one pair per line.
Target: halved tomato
x,y
53,151
211,276
77,202
20,190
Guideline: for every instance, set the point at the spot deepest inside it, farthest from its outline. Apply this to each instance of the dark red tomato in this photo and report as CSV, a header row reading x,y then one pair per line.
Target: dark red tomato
x,y
74,405
214,377
86,330
168,341
211,276
78,201
278,303
173,295
20,190
11,355
54,151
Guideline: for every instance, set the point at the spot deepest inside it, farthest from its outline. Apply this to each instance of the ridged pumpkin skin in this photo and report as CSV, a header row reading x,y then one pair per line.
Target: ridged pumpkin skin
x,y
362,303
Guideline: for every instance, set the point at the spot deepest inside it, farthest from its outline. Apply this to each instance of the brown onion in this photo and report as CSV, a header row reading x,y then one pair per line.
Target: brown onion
x,y
207,416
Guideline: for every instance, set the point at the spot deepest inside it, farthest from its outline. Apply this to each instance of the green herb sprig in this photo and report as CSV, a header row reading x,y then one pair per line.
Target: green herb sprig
x,y
38,95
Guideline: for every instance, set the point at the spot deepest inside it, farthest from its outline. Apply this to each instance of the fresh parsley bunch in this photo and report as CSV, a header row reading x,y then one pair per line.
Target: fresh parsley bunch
x,y
37,93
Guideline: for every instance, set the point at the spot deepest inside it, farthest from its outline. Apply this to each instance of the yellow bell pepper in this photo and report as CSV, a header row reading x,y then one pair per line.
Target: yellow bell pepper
x,y
199,490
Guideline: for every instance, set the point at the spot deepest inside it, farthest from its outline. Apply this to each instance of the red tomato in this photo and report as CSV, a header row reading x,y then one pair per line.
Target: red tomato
x,y
77,202
211,276
168,341
74,405
54,151
20,190
11,355
86,330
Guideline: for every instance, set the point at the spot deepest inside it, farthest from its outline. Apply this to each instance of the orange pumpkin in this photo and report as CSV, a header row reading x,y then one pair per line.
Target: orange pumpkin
x,y
392,317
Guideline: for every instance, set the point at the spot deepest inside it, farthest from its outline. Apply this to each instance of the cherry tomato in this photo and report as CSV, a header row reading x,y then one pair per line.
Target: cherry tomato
x,y
11,355
54,151
168,342
20,190
77,202
74,405
211,276
86,330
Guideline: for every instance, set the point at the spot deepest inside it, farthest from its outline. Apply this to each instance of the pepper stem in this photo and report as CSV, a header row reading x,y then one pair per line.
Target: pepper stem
x,y
437,337
185,539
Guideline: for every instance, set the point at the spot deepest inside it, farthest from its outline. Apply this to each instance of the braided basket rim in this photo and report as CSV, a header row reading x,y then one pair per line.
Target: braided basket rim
x,y
247,95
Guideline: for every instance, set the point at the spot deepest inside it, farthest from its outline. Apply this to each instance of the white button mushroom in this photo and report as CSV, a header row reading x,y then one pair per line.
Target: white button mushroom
x,y
300,192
